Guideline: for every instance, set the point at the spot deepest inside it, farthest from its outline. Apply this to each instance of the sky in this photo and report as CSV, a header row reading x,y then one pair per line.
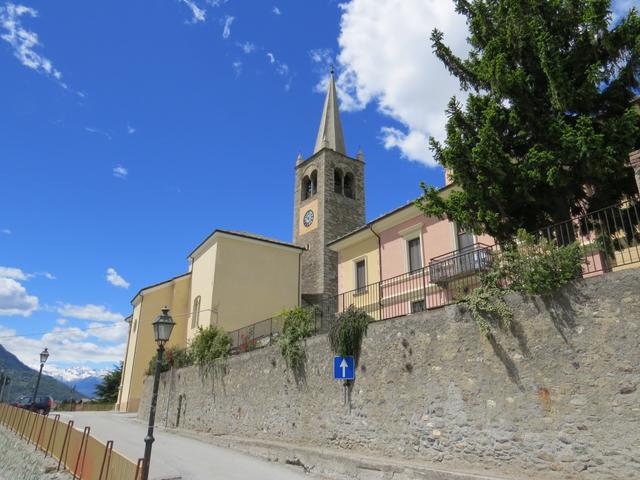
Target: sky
x,y
129,130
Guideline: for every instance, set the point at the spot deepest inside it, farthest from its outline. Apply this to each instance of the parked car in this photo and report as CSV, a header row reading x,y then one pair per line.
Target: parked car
x,y
43,404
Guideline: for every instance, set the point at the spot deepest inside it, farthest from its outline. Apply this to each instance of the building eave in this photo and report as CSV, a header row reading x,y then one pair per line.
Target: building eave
x,y
155,286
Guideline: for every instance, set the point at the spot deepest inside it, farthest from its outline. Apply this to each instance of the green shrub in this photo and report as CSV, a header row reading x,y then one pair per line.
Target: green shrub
x,y
174,357
538,266
299,323
531,266
347,331
210,344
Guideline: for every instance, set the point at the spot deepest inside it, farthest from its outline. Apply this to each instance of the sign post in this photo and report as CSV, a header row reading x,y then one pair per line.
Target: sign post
x,y
344,368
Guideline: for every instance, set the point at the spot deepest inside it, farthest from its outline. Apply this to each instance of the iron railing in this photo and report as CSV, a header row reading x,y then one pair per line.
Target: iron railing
x,y
609,238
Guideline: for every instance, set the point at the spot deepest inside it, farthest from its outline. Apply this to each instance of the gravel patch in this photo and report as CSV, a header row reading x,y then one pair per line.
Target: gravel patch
x,y
19,461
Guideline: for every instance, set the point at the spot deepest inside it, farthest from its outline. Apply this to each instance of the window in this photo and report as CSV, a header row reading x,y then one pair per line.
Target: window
x,y
465,240
349,185
314,182
414,254
135,325
417,306
361,275
305,190
195,313
337,181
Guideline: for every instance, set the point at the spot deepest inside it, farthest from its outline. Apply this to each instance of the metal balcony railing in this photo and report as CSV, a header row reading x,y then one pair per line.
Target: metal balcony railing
x,y
459,263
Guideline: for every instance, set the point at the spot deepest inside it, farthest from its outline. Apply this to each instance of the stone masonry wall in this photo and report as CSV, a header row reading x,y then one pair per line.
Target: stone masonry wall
x,y
555,398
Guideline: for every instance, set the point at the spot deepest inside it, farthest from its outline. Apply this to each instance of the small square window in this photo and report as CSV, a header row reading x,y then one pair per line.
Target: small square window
x,y
417,306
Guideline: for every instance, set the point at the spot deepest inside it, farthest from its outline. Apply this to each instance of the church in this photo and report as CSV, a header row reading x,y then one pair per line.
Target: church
x,y
236,279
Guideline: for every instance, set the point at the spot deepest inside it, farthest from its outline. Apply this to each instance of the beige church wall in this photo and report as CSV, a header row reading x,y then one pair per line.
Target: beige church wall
x,y
129,359
202,274
254,281
181,310
142,345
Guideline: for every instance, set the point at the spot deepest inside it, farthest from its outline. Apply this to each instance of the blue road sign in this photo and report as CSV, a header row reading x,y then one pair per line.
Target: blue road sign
x,y
344,368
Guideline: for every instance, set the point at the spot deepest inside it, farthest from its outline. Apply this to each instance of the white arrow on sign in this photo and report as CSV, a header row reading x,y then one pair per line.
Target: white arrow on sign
x,y
343,366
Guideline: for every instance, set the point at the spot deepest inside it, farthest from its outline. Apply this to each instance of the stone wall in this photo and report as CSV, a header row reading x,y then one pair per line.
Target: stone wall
x,y
555,398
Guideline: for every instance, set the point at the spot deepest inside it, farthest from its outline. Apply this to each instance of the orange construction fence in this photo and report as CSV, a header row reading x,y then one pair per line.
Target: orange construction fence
x,y
75,450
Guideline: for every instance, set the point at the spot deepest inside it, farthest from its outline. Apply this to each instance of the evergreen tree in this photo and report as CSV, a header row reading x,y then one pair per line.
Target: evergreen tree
x,y
549,121
107,390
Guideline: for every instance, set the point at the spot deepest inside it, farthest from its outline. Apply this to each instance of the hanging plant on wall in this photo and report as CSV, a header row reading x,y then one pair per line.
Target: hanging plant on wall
x,y
347,331
299,324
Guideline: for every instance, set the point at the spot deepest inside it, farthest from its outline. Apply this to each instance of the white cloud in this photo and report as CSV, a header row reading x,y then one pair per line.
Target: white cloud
x,y
99,313
25,41
130,130
14,299
66,345
19,274
14,273
385,58
281,69
199,14
226,30
120,172
237,67
115,332
276,11
321,55
216,3
247,47
6,231
114,279
97,131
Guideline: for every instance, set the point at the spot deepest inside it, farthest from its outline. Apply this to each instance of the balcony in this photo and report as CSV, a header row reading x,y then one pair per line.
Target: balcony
x,y
459,263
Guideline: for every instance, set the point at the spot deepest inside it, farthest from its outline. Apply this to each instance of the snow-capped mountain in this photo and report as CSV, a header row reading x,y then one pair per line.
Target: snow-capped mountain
x,y
73,374
82,379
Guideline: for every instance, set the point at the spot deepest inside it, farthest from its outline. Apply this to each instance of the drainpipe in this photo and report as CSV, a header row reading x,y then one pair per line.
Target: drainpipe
x,y
379,269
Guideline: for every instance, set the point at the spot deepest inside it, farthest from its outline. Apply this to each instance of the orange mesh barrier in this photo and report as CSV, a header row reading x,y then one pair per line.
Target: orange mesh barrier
x,y
85,457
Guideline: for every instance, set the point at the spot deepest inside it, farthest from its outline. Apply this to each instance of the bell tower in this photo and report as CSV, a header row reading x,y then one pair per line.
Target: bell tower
x,y
328,202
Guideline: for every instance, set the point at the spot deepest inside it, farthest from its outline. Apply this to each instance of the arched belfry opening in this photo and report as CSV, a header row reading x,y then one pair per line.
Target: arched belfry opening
x,y
305,188
349,186
337,180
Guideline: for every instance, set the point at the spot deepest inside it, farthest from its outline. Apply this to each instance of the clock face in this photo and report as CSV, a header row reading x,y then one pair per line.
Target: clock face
x,y
308,218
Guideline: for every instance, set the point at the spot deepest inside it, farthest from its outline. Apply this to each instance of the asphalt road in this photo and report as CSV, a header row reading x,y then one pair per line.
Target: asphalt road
x,y
174,456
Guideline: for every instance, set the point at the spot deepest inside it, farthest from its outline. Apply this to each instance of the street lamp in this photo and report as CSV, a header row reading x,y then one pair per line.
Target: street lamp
x,y
162,327
43,359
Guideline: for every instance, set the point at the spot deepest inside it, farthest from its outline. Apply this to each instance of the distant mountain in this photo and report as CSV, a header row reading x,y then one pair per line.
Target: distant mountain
x,y
83,379
23,380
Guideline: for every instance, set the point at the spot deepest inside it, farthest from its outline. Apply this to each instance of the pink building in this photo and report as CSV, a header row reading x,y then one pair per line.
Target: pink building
x,y
404,262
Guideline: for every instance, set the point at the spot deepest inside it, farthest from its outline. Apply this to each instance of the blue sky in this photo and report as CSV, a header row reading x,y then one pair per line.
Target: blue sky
x,y
129,130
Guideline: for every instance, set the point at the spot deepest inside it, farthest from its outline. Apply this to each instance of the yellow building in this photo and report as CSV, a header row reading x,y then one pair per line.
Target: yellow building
x,y
235,279
141,346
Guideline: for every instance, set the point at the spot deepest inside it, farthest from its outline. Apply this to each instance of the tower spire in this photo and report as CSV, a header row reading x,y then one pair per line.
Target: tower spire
x,y
330,132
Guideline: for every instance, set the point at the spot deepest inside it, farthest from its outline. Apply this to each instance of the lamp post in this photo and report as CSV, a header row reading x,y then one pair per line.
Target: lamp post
x,y
162,327
43,359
